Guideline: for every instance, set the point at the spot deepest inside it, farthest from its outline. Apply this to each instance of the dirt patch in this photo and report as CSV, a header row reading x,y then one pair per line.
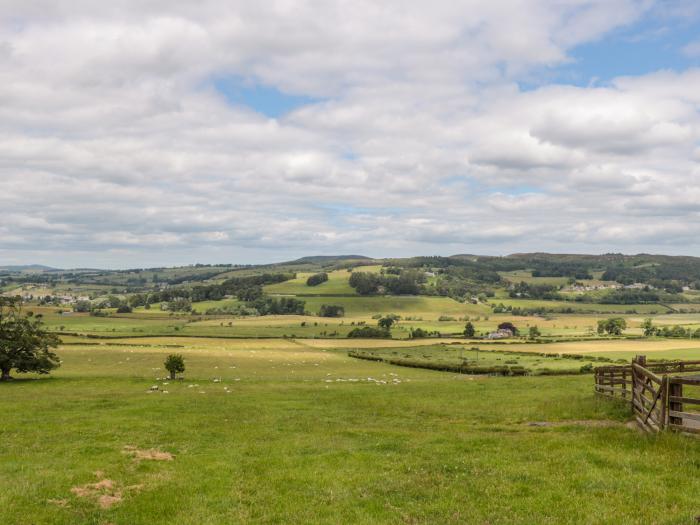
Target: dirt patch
x,y
104,492
595,423
106,501
151,454
58,502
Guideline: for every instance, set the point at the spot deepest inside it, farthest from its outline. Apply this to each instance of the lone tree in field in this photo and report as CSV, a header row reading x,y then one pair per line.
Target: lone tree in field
x,y
612,326
24,344
175,364
469,329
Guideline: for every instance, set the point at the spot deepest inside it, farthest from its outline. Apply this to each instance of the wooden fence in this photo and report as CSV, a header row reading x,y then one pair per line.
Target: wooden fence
x,y
662,395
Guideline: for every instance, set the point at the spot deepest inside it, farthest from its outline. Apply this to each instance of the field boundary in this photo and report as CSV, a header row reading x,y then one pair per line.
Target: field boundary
x,y
655,392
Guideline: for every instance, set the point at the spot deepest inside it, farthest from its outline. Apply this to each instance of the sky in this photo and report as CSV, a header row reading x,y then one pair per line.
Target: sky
x,y
139,133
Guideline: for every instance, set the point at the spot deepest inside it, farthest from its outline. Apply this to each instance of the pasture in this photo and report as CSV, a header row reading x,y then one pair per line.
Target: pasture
x,y
292,431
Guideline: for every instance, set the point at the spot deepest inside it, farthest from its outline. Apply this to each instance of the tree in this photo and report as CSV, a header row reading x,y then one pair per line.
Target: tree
x,y
534,332
317,279
331,310
612,326
649,328
386,323
24,345
507,325
175,364
469,330
82,306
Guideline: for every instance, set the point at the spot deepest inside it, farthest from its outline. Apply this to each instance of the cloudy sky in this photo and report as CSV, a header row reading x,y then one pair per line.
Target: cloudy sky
x,y
161,132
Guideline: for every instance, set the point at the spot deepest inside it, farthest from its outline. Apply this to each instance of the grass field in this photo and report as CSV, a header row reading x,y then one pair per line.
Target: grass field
x,y
337,284
309,435
476,357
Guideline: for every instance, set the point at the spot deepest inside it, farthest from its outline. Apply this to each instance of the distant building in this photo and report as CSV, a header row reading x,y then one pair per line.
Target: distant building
x,y
501,333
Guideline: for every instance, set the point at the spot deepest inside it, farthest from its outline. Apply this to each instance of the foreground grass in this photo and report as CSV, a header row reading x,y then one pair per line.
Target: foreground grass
x,y
298,442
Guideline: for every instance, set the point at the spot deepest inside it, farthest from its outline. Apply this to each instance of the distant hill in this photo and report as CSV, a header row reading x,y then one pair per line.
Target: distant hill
x,y
27,268
328,259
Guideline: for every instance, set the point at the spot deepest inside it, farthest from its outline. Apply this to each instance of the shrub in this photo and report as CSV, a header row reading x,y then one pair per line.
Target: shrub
x,y
317,279
331,310
369,332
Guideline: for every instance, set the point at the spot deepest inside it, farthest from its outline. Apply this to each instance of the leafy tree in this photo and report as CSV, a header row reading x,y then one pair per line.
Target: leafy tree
x,y
534,332
175,364
82,306
386,323
612,326
124,308
507,325
649,328
179,304
24,345
469,330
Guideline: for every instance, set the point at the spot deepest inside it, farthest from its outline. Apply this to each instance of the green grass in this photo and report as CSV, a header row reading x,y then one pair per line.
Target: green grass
x,y
467,355
337,284
421,306
518,276
298,442
201,307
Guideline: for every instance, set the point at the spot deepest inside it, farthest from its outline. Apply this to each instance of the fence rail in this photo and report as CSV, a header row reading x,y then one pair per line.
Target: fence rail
x,y
656,393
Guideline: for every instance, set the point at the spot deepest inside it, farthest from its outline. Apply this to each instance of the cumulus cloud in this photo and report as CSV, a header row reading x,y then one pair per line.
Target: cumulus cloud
x,y
117,148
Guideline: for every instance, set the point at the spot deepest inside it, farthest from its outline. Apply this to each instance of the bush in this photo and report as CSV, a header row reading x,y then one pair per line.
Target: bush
x,y
331,310
369,332
317,279
418,333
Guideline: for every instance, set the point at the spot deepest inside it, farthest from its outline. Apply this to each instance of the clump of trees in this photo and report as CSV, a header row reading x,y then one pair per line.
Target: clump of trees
x,y
281,306
676,331
369,332
178,304
331,310
175,364
407,283
24,344
612,326
317,279
419,333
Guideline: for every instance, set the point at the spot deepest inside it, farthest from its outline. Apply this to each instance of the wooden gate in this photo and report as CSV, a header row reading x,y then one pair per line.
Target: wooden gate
x,y
648,396
660,394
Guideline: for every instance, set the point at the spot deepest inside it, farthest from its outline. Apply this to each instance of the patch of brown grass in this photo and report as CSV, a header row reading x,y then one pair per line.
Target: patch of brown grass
x,y
151,454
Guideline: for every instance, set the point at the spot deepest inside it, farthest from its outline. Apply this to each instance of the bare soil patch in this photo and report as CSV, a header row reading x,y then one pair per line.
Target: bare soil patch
x,y
151,454
104,492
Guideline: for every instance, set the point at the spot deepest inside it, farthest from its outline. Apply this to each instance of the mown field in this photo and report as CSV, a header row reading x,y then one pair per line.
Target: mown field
x,y
295,431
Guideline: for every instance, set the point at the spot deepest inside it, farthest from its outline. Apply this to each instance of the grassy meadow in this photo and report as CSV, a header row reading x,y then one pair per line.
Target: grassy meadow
x,y
274,422
290,431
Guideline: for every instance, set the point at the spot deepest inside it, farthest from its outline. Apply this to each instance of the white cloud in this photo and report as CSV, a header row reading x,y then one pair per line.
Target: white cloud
x,y
116,147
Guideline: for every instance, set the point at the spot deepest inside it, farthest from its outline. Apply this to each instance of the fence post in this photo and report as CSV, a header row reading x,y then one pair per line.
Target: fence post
x,y
675,390
664,402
